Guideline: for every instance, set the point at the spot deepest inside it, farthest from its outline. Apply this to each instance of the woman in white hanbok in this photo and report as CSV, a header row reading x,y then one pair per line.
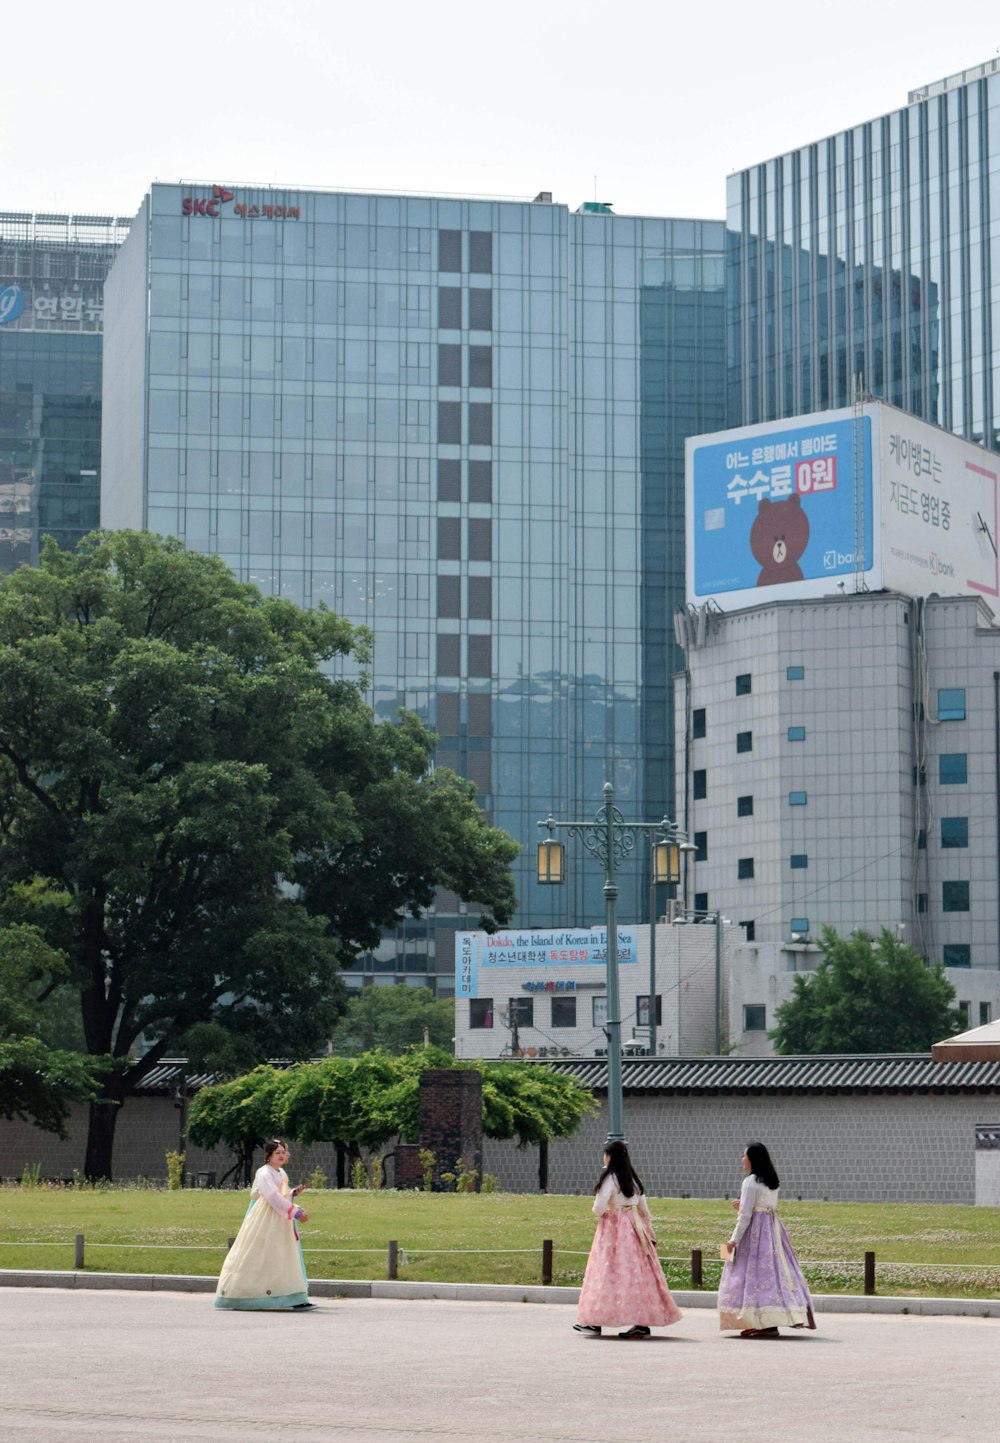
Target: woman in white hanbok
x,y
264,1267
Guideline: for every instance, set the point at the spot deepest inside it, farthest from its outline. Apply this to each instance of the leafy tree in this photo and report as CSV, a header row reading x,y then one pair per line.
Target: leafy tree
x,y
867,996
226,818
38,1081
367,1101
394,1019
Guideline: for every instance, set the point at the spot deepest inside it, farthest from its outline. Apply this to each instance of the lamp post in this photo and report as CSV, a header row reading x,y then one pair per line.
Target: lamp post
x,y
610,839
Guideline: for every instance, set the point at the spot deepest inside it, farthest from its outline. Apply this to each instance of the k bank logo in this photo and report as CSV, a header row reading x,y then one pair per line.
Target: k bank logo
x,y
834,558
194,205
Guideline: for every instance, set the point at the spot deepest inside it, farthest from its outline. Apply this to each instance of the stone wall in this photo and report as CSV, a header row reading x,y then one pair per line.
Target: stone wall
x,y
859,1147
856,1147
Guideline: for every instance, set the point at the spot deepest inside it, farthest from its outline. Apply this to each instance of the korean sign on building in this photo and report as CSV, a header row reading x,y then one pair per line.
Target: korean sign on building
x,y
478,953
772,510
51,306
773,506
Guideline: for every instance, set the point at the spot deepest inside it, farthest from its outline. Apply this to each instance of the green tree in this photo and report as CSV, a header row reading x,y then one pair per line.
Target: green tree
x,y
38,1081
225,816
867,996
394,1019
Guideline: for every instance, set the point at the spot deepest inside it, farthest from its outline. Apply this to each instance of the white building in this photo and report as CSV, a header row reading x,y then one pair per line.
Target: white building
x,y
543,993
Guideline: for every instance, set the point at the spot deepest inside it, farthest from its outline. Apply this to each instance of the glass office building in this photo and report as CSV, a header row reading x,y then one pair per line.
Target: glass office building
x,y
52,270
462,423
874,253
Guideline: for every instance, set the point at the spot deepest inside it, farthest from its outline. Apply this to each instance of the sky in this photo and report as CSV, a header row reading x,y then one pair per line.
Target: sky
x,y
648,106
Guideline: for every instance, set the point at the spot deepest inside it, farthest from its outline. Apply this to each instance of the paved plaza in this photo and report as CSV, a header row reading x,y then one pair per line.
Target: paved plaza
x,y
106,1365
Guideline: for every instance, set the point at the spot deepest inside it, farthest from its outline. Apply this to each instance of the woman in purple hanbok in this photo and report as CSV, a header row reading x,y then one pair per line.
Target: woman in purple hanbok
x,y
762,1286
623,1281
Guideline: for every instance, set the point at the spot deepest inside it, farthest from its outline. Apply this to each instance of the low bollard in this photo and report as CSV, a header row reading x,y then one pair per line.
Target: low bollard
x,y
78,1251
869,1275
696,1271
546,1261
392,1262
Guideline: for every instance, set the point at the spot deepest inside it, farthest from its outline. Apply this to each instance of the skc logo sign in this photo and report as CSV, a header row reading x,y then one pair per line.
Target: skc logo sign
x,y
195,205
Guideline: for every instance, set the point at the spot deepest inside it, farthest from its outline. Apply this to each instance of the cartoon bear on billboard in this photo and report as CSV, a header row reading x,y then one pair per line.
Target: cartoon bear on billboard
x,y
778,537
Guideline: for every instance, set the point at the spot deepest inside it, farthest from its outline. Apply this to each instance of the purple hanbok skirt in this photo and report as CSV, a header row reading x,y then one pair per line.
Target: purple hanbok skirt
x,y
762,1286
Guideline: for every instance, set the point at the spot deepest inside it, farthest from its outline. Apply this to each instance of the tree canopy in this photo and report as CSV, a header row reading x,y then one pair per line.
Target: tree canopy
x,y
366,1101
867,996
393,1019
181,758
38,1078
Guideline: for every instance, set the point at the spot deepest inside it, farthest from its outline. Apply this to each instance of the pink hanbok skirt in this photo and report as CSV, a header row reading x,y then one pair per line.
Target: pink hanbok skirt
x,y
763,1286
624,1283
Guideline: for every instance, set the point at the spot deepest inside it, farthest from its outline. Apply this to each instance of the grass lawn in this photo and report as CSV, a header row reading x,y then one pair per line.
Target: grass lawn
x,y
497,1237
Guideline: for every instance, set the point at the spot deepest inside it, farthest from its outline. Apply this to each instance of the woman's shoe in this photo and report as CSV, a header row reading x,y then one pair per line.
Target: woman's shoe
x,y
639,1331
588,1329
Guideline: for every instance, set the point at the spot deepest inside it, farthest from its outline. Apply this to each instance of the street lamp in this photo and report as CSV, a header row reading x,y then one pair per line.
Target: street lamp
x,y
610,839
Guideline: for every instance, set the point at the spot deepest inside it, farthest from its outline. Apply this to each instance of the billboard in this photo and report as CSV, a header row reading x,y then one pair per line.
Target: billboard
x,y
782,510
478,953
773,507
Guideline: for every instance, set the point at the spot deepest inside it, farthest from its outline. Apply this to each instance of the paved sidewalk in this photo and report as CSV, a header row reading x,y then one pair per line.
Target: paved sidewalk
x,y
101,1366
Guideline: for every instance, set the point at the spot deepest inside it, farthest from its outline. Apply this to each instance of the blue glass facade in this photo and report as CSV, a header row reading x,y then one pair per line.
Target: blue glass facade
x,y
875,252
52,271
461,423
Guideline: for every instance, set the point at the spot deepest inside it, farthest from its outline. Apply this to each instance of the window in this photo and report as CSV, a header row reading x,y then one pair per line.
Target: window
x,y
449,250
481,252
749,930
744,741
701,846
699,785
953,768
480,423
449,529
795,673
798,799
754,1017
985,1013
449,596
449,423
701,901
480,655
920,776
744,684
798,861
480,310
922,839
522,1011
954,896
480,598
964,1008
956,954
698,723
642,1010
954,831
744,868
481,481
480,539
744,806
796,734
449,365
921,901
481,1012
800,924
951,703
480,365
449,480
564,1012
599,1011
450,308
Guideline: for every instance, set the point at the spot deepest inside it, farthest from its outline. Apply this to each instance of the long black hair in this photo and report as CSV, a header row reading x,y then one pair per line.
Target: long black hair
x,y
620,1164
761,1165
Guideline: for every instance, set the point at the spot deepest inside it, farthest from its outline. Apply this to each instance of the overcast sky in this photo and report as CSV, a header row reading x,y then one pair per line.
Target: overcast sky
x,y
659,102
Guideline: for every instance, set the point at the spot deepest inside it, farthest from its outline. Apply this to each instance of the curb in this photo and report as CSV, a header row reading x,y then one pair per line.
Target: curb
x,y
480,1292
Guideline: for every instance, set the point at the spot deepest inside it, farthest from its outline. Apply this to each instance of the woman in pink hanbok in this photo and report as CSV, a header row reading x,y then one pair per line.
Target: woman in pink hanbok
x,y
264,1267
762,1286
623,1281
